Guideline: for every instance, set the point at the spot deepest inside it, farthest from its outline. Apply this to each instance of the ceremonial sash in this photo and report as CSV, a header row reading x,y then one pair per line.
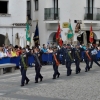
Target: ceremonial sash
x,y
57,62
88,55
25,66
35,55
78,55
70,56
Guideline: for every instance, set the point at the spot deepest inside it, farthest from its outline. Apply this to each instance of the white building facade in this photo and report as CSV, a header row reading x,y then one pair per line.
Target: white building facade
x,y
48,13
12,18
87,11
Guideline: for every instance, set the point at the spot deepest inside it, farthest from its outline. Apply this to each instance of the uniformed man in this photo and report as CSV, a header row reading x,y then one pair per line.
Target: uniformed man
x,y
87,59
69,59
77,58
94,57
24,65
37,66
63,52
55,63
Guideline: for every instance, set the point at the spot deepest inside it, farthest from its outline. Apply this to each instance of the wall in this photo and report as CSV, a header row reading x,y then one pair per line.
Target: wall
x,y
69,9
17,9
15,30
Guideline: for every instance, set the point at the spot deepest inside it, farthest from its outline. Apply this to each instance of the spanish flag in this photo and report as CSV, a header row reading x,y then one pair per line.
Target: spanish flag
x,y
91,35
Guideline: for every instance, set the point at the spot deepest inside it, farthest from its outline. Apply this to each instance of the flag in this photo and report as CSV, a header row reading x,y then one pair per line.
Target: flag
x,y
91,35
58,32
77,28
60,42
28,32
70,32
36,35
58,36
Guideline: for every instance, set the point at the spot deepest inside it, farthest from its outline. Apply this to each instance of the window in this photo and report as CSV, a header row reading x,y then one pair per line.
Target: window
x,y
29,10
3,7
90,6
36,5
55,9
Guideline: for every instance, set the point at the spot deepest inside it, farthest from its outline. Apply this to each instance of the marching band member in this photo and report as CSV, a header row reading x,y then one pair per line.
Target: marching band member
x,y
55,63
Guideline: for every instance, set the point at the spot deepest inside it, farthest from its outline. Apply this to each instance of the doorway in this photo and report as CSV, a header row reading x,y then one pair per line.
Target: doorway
x,y
52,38
2,39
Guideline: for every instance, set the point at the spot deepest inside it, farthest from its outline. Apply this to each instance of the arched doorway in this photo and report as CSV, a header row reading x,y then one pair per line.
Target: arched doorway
x,y
52,38
2,39
84,38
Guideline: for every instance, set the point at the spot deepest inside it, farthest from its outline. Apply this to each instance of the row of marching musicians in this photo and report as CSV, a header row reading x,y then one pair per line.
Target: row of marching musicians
x,y
69,55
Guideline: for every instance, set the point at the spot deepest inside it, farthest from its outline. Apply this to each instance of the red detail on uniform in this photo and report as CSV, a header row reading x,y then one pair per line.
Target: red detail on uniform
x,y
91,35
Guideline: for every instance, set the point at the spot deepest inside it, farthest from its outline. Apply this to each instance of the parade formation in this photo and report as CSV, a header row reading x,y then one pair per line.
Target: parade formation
x,y
69,55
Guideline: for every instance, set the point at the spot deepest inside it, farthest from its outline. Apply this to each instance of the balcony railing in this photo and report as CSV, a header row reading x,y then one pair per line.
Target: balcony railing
x,y
92,13
51,14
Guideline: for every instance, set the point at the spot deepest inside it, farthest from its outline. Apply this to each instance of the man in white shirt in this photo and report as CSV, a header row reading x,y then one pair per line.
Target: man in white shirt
x,y
94,57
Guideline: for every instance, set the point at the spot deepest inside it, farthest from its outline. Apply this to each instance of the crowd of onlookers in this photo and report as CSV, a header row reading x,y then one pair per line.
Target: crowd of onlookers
x,y
10,51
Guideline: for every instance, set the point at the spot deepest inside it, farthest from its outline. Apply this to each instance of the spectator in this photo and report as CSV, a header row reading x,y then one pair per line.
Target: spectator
x,y
4,53
19,51
84,47
1,53
44,49
98,47
39,46
50,50
9,53
13,52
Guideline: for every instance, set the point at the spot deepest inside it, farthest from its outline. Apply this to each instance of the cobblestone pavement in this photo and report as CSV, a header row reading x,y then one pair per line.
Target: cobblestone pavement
x,y
84,86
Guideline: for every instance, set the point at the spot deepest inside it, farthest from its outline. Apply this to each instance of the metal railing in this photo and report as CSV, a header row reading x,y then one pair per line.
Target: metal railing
x,y
92,13
51,14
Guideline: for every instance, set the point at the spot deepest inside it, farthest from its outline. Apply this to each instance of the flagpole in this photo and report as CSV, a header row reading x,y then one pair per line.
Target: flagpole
x,y
38,35
92,30
71,38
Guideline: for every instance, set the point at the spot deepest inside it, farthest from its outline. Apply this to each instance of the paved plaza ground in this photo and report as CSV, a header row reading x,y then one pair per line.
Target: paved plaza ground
x,y
84,86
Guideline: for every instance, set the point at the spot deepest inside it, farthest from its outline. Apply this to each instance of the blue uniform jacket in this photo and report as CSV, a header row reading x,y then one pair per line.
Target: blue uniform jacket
x,y
68,59
75,54
63,52
57,56
85,56
37,62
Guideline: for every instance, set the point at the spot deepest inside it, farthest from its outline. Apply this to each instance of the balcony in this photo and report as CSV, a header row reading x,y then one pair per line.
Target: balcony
x,y
92,15
51,14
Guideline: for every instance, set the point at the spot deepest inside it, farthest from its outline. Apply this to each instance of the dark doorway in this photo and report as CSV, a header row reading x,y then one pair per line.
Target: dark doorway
x,y
2,39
